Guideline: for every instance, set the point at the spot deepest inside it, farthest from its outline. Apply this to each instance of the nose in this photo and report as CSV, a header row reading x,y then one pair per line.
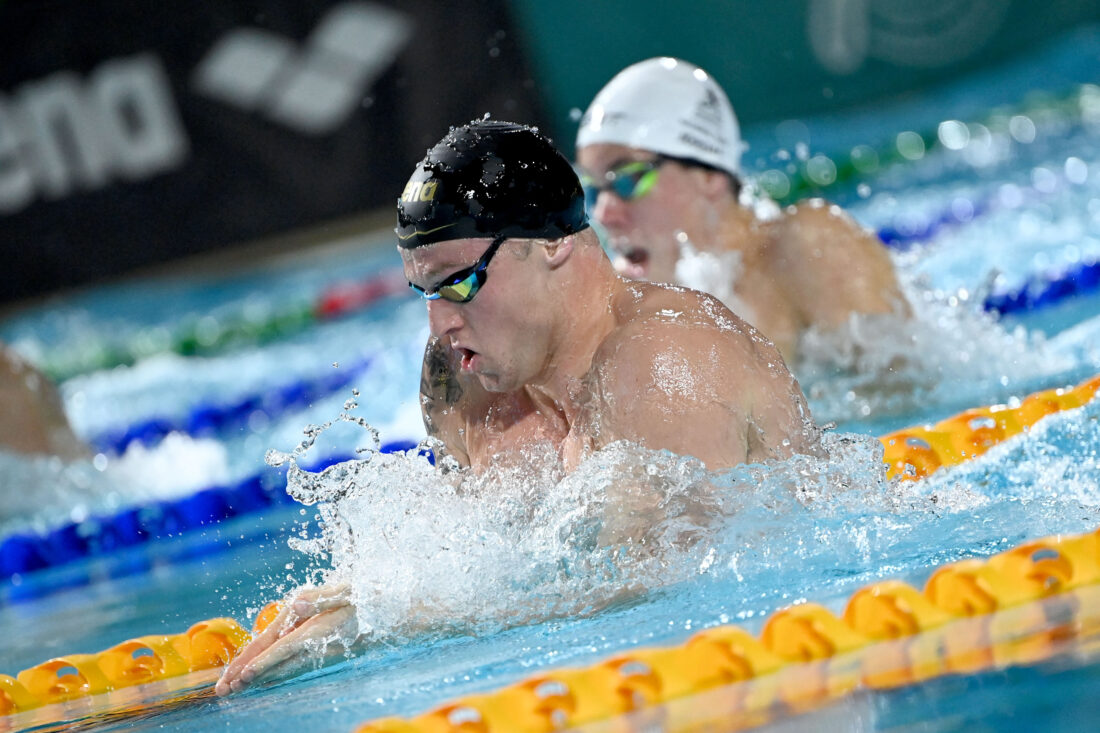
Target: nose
x,y
444,317
611,211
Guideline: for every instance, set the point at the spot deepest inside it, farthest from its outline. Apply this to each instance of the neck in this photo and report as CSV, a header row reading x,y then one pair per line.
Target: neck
x,y
585,289
741,231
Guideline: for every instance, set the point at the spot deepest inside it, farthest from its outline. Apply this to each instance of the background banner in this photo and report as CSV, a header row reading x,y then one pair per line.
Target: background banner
x,y
782,58
134,132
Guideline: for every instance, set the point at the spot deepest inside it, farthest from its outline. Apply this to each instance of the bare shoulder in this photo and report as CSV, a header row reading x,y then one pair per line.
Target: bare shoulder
x,y
657,313
33,417
818,223
683,372
832,265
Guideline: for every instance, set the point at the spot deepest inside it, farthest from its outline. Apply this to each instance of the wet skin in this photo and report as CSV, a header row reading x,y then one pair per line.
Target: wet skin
x,y
556,348
812,265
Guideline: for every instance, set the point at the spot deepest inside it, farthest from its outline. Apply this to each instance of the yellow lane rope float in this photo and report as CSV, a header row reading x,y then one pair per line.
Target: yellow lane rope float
x,y
916,452
1017,607
889,633
208,644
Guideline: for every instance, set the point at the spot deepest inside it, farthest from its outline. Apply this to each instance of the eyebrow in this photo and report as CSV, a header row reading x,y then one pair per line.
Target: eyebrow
x,y
437,273
444,274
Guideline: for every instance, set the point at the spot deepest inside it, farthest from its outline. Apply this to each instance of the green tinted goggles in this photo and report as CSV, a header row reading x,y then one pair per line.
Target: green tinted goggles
x,y
628,181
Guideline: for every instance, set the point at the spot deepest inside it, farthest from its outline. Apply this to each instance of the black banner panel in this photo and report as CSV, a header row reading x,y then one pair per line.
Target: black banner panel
x,y
134,132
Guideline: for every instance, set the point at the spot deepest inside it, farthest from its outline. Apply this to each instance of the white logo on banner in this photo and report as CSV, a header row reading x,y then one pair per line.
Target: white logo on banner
x,y
927,34
61,133
312,89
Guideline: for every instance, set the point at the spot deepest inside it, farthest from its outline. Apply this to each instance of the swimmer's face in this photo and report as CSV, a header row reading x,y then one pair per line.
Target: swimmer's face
x,y
642,231
495,334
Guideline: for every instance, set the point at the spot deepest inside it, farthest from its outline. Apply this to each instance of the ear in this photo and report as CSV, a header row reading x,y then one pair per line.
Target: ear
x,y
558,251
714,185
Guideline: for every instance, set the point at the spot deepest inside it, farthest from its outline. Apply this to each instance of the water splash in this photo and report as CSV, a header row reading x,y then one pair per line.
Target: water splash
x,y
716,273
38,493
949,353
444,551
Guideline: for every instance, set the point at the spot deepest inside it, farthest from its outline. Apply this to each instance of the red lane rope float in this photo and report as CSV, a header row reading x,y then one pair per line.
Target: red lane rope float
x,y
970,615
211,334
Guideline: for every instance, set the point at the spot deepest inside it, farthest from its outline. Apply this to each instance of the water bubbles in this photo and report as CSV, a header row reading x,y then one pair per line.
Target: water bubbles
x,y
910,145
1022,129
1010,196
775,183
948,351
864,158
1076,170
962,209
953,135
821,170
1044,180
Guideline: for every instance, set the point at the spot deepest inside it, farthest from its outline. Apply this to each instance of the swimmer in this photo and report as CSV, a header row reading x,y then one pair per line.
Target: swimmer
x,y
536,340
32,418
659,151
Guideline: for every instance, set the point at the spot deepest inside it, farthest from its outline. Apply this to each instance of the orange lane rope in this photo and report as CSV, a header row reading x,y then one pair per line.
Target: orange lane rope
x,y
970,615
715,658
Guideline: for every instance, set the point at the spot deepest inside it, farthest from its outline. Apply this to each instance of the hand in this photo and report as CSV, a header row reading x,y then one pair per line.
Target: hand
x,y
314,615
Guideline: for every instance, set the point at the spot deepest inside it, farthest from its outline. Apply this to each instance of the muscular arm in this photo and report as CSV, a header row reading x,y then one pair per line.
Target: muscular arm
x,y
834,268
441,398
719,393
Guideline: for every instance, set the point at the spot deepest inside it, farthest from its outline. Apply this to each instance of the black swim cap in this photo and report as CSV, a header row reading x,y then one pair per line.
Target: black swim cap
x,y
490,178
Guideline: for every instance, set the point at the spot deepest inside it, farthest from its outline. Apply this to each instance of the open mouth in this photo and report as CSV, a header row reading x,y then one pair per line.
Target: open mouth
x,y
633,262
466,358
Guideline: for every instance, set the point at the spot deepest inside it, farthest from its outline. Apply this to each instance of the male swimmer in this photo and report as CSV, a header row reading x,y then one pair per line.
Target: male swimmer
x,y
659,150
536,340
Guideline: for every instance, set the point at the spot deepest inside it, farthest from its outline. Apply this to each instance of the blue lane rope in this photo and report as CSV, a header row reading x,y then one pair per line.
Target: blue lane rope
x,y
207,419
25,553
1038,291
1041,291
905,231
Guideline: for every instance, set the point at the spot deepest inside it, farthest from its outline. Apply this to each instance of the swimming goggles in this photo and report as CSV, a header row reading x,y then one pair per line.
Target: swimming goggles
x,y
628,181
462,286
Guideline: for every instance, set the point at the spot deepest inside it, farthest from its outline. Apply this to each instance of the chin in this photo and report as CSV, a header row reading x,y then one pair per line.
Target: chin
x,y
493,383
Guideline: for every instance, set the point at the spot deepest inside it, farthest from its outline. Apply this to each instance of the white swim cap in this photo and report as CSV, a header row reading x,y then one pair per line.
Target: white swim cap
x,y
667,106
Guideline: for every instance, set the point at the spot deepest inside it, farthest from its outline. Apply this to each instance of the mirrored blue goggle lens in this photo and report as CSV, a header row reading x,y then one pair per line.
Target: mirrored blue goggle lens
x,y
461,291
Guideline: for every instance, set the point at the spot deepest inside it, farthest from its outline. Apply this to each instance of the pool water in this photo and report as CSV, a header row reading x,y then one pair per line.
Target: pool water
x,y
803,530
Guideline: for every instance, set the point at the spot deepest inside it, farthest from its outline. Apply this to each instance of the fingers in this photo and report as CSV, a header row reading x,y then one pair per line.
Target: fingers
x,y
317,600
256,646
292,649
315,614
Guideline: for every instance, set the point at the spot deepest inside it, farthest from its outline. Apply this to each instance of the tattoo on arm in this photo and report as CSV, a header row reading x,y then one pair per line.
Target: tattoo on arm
x,y
439,386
